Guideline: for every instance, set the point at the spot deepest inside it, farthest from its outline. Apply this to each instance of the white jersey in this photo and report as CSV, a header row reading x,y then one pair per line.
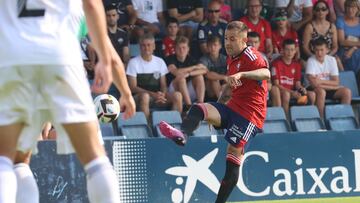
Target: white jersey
x,y
39,32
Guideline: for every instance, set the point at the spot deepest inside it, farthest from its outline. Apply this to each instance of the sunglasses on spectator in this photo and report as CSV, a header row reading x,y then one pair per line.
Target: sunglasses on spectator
x,y
317,9
213,11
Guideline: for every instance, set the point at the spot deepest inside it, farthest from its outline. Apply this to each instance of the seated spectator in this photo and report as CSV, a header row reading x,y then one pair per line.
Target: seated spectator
x,y
225,11
168,42
273,91
147,79
300,12
150,15
189,13
283,31
323,76
320,26
286,75
349,37
118,37
257,24
216,64
212,26
332,14
186,74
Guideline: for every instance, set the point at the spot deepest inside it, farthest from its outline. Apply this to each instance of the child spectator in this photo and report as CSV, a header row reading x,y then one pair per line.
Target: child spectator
x,y
168,45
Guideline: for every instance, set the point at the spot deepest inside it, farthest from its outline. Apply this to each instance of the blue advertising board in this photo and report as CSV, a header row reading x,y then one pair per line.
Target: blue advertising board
x,y
275,166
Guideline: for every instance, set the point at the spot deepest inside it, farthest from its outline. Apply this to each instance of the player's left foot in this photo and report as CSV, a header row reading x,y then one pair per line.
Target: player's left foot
x,y
172,133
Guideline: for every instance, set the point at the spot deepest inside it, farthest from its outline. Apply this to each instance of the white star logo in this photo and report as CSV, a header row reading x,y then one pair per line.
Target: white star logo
x,y
196,171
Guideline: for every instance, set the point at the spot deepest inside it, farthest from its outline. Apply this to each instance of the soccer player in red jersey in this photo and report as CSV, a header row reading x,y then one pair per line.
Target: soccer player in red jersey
x,y
243,115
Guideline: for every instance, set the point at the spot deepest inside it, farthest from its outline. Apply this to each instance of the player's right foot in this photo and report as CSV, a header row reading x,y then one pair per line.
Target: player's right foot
x,y
172,133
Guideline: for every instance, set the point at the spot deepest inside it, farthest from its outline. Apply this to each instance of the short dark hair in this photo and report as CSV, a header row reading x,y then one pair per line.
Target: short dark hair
x,y
237,25
288,41
253,35
213,39
172,20
109,7
319,42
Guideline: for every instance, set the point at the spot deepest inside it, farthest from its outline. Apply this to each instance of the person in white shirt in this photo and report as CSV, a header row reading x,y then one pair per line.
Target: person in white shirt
x,y
40,53
322,74
150,15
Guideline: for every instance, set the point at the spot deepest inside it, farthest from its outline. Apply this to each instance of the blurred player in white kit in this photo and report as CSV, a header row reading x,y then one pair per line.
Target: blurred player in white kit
x,y
41,68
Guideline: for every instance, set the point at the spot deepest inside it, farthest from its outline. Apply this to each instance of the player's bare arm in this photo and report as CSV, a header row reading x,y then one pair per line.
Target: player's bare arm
x,y
101,42
259,74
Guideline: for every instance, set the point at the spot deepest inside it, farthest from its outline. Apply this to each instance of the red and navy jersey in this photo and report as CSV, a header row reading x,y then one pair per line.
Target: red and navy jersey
x,y
249,98
287,74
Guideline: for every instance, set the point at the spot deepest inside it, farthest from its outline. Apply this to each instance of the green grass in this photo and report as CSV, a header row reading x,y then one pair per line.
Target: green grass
x,y
317,200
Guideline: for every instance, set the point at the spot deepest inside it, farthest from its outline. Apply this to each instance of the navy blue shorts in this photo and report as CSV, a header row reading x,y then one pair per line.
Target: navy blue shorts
x,y
238,129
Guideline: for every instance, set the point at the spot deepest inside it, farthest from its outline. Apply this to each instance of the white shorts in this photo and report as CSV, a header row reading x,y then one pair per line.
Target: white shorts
x,y
35,94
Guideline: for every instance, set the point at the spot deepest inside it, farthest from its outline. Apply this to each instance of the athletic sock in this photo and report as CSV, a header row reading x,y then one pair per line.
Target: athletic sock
x,y
27,188
7,180
230,179
192,120
102,182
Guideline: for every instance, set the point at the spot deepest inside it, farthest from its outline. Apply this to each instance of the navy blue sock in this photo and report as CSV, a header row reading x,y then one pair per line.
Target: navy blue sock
x,y
229,181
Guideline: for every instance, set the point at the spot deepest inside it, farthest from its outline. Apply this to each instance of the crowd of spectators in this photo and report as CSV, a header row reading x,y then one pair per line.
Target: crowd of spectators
x,y
182,59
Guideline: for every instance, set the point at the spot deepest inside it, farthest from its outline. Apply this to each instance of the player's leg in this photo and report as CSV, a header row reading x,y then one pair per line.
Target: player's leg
x,y
199,86
233,161
102,182
9,135
27,188
285,101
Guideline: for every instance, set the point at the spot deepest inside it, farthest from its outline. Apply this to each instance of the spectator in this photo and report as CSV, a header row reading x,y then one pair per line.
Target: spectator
x,y
189,13
216,65
150,15
332,14
126,11
283,31
286,75
339,7
147,80
118,37
320,26
186,74
323,76
212,26
273,91
168,42
349,37
225,11
300,12
257,24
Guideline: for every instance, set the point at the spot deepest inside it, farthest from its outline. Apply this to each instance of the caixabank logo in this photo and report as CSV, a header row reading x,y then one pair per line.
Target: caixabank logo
x,y
293,180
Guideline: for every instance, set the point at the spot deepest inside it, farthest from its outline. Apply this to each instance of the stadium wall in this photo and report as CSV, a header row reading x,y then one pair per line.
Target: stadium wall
x,y
276,166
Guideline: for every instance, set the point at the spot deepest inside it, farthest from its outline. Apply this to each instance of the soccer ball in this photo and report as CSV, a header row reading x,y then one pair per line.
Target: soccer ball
x,y
107,108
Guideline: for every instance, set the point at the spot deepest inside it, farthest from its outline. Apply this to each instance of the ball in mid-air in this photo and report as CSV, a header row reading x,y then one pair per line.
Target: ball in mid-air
x,y
107,108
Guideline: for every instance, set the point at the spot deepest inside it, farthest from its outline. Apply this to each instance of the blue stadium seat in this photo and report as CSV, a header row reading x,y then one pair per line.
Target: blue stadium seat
x,y
306,118
205,130
107,130
275,121
135,127
340,117
171,117
348,79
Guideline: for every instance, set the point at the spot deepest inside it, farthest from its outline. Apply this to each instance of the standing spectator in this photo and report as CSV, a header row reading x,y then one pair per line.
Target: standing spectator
x,y
286,75
189,13
225,11
212,26
320,26
332,14
216,64
300,12
323,76
256,23
186,74
168,42
283,31
150,15
118,37
349,37
147,80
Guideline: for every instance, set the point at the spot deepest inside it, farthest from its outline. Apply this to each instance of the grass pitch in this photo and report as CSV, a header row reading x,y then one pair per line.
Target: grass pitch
x,y
317,200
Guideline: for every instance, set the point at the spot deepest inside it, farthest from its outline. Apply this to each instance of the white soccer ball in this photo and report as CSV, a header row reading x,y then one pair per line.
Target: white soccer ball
x,y
107,108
